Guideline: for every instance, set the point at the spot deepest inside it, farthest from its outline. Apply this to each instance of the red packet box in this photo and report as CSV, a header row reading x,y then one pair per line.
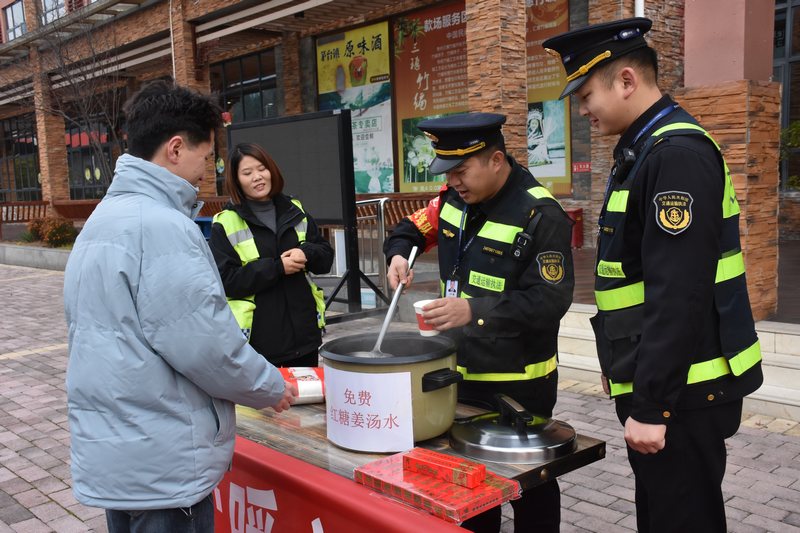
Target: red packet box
x,y
309,381
448,501
453,469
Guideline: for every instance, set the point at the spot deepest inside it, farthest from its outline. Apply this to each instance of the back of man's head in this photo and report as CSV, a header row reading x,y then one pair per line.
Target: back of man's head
x,y
161,110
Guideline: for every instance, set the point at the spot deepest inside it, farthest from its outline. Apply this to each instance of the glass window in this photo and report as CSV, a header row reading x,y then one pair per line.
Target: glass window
x,y
15,20
247,86
52,10
795,30
19,160
779,50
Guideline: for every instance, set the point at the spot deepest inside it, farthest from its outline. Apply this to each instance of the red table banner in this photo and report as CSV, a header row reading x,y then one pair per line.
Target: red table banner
x,y
267,491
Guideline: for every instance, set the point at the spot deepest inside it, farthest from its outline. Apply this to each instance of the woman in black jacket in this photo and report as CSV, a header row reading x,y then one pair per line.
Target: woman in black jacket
x,y
265,243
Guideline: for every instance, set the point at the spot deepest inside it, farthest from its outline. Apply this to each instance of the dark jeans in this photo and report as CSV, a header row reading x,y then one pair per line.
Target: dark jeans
x,y
679,489
199,518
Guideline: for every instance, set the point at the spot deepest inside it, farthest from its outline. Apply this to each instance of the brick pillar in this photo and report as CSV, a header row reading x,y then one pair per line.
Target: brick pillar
x,y
50,127
194,74
290,76
728,66
743,117
50,131
496,66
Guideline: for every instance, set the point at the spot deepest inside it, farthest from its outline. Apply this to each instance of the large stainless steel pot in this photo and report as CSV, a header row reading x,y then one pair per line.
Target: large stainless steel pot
x,y
431,362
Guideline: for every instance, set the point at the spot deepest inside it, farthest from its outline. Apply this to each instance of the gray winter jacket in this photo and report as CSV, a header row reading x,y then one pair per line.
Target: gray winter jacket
x,y
156,359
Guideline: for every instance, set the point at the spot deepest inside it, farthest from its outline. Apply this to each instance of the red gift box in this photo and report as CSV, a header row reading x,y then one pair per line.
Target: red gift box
x,y
456,470
449,501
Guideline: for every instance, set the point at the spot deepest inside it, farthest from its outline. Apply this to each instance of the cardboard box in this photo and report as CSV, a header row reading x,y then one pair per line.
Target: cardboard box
x,y
448,501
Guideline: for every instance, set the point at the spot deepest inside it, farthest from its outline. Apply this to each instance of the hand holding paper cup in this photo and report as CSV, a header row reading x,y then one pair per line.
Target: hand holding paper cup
x,y
426,330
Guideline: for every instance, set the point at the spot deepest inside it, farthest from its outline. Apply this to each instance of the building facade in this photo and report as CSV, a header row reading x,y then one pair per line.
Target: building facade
x,y
67,65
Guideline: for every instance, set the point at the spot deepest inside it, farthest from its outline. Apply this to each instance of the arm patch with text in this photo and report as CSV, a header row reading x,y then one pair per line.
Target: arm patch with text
x,y
673,211
551,266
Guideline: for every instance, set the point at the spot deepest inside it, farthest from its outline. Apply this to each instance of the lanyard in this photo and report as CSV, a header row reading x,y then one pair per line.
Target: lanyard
x,y
462,251
661,114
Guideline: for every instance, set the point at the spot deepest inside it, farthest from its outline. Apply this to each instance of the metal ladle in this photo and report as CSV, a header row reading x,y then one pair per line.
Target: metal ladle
x,y
376,351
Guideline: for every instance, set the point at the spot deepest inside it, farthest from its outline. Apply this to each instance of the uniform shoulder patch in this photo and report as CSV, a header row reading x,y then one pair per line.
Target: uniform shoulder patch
x,y
551,266
673,211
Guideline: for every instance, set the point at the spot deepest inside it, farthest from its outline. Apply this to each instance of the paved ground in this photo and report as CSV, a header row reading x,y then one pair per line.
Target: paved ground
x,y
762,487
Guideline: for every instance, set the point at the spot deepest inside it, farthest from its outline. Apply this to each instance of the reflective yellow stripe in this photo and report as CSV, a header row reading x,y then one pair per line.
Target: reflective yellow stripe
x,y
620,298
610,269
730,267
541,192
746,359
499,232
451,215
301,228
678,126
618,202
619,388
532,371
485,281
730,205
709,370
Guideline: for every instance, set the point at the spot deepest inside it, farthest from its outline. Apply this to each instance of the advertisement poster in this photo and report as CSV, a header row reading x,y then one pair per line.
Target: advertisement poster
x,y
430,68
353,73
548,117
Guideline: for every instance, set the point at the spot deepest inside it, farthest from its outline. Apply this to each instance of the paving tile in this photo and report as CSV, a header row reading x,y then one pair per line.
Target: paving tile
x,y
770,525
758,509
68,524
31,498
761,487
33,525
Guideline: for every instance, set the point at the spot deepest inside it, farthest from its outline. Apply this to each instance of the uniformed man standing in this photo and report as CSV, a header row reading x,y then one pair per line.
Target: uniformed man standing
x,y
675,334
506,279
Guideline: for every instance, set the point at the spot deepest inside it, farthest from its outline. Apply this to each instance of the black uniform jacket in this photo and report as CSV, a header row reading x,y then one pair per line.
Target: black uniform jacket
x,y
285,318
518,326
679,315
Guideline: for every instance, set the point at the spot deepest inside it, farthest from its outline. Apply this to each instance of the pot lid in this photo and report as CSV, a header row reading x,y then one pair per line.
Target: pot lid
x,y
399,347
512,436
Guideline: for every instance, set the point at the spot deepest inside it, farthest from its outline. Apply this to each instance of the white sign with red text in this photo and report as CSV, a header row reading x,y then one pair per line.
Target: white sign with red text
x,y
369,412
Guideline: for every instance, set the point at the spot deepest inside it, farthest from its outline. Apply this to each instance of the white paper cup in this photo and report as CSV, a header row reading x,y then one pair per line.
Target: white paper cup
x,y
426,330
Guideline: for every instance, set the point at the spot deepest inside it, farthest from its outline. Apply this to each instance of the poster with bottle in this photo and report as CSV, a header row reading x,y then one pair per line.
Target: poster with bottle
x,y
548,117
430,69
353,73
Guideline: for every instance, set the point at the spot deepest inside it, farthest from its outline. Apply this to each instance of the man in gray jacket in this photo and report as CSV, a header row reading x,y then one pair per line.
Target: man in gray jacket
x,y
156,359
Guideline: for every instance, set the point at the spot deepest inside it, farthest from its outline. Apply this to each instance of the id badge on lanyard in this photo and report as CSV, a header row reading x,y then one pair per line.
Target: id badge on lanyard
x,y
451,289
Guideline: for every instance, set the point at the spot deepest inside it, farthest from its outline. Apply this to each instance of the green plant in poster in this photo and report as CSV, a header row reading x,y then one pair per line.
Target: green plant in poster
x,y
417,152
405,27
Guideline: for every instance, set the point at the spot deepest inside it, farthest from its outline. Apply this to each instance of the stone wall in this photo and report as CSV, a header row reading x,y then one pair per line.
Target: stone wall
x,y
742,116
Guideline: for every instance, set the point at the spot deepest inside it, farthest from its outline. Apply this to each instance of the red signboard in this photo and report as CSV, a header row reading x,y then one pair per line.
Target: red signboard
x,y
581,166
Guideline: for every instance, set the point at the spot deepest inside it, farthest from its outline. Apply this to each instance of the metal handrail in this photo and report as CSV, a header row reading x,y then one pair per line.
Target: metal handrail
x,y
380,221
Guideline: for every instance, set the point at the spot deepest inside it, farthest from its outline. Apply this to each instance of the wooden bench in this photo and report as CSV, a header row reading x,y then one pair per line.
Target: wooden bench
x,y
398,206
19,212
75,209
213,205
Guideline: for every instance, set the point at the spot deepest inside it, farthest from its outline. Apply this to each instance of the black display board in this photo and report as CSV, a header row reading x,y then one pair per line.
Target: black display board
x,y
315,154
